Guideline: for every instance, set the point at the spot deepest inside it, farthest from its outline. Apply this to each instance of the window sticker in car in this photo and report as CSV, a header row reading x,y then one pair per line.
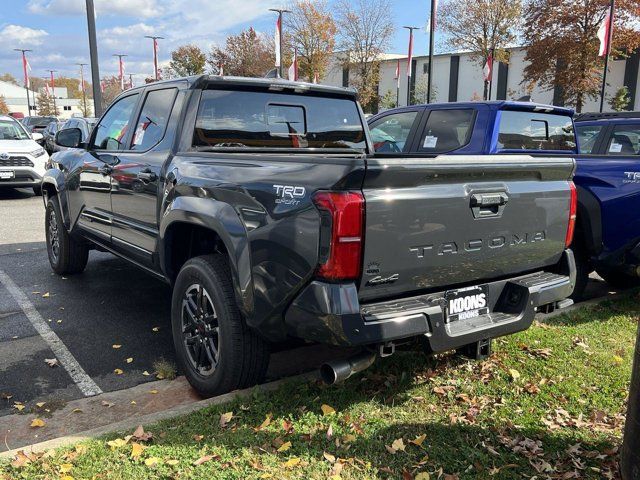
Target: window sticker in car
x,y
430,141
615,147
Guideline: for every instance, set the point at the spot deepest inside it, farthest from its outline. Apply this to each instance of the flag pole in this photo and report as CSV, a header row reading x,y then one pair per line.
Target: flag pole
x,y
606,55
280,12
93,54
155,54
26,77
410,62
432,27
53,92
84,90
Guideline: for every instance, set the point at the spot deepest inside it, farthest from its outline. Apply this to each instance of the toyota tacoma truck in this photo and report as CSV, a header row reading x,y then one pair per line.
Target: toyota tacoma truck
x,y
265,206
607,237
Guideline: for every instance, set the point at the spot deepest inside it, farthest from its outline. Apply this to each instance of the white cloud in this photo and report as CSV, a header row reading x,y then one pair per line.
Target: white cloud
x,y
129,8
12,34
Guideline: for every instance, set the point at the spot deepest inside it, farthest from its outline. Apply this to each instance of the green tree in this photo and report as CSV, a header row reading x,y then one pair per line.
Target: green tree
x,y
563,44
620,101
46,105
247,54
4,109
187,60
388,100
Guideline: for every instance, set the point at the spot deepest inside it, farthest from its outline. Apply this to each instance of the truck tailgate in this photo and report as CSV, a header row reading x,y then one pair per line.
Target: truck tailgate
x,y
456,220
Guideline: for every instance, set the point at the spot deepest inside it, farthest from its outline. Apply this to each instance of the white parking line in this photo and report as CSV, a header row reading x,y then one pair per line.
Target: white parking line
x,y
84,382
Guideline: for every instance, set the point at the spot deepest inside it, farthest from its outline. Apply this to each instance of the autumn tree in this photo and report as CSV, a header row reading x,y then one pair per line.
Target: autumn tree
x,y
247,54
365,28
480,27
7,77
111,89
187,60
563,45
4,108
312,32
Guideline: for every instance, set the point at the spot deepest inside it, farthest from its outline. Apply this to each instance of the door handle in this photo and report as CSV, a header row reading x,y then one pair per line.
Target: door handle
x,y
485,205
146,175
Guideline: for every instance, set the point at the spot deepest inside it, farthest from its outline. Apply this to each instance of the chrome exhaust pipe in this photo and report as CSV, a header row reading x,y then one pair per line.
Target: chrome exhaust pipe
x,y
339,370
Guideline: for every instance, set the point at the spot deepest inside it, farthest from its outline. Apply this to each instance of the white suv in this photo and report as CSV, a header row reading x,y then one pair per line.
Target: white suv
x,y
22,160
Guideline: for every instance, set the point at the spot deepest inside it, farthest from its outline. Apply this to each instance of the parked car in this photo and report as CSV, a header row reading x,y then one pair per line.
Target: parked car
x,y
608,179
22,160
49,135
262,203
38,125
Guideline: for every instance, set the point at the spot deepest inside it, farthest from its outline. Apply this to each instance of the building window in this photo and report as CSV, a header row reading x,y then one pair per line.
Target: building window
x,y
425,68
66,108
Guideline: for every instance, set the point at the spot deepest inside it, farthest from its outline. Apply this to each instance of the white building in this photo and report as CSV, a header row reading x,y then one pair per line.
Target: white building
x,y
458,77
16,99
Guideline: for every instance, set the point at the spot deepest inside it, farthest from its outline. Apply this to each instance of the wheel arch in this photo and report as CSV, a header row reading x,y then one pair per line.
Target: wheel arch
x,y
589,222
52,188
194,226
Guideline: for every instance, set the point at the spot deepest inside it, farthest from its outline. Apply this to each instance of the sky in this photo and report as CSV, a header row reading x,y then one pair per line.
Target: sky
x,y
56,30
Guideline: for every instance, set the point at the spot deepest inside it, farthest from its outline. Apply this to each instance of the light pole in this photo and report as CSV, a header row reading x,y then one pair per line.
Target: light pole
x,y
410,62
53,92
120,68
432,28
84,91
280,12
26,76
93,52
155,54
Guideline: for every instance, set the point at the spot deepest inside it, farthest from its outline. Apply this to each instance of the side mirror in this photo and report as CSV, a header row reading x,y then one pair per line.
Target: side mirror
x,y
37,136
69,137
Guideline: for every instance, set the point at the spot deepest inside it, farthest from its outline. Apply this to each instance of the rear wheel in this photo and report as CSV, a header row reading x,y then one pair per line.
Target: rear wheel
x,y
66,254
583,269
215,348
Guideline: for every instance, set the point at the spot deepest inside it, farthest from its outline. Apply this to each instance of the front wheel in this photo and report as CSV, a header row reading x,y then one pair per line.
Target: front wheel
x,y
66,254
215,348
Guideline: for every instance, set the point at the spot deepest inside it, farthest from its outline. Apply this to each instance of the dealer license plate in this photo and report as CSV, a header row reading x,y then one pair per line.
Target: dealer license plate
x,y
7,174
466,303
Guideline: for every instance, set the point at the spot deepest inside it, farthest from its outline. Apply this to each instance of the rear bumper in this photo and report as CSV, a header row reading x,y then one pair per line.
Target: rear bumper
x,y
331,313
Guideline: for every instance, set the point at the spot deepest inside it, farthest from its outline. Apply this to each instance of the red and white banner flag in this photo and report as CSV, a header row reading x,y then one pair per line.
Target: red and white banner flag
x,y
410,56
26,69
46,88
102,86
293,69
155,57
604,34
277,41
487,70
53,85
397,77
221,70
315,77
121,67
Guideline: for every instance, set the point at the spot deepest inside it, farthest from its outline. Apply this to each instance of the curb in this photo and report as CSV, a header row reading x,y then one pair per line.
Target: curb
x,y
155,417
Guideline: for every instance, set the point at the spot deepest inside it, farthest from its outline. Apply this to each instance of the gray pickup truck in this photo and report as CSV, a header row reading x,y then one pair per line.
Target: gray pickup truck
x,y
263,203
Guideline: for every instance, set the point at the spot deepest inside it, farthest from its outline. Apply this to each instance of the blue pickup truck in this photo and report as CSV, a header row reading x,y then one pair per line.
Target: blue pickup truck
x,y
607,237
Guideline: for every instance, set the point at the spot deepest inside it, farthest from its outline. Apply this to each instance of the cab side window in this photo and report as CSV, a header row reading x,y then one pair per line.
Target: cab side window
x,y
587,137
390,133
447,130
624,140
114,126
153,119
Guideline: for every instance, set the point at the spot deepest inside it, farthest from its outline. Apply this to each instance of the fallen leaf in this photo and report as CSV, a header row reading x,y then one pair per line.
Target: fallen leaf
x,y
156,329
107,404
172,462
327,410
418,440
52,362
618,359
118,371
203,459
292,462
330,458
117,443
76,410
129,360
18,406
348,438
422,476
145,373
46,295
284,447
140,435
198,438
136,450
65,468
398,444
40,404
151,461
265,424
21,459
153,392
515,375
225,418
116,346
37,422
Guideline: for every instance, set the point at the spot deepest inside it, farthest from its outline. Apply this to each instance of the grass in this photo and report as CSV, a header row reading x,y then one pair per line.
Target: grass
x,y
548,403
164,369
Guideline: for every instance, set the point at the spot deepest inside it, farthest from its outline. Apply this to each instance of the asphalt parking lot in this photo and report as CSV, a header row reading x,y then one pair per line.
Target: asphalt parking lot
x,y
81,318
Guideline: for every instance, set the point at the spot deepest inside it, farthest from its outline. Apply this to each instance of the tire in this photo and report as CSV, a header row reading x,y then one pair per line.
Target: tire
x,y
618,278
583,269
206,320
37,191
66,254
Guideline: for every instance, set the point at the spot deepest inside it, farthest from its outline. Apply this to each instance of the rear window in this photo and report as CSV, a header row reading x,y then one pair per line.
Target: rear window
x,y
535,131
241,119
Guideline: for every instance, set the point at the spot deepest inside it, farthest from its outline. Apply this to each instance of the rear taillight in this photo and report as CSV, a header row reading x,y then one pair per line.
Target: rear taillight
x,y
573,210
342,224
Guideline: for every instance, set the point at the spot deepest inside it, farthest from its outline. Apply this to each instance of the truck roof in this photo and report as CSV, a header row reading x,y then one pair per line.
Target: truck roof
x,y
594,116
496,105
200,81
